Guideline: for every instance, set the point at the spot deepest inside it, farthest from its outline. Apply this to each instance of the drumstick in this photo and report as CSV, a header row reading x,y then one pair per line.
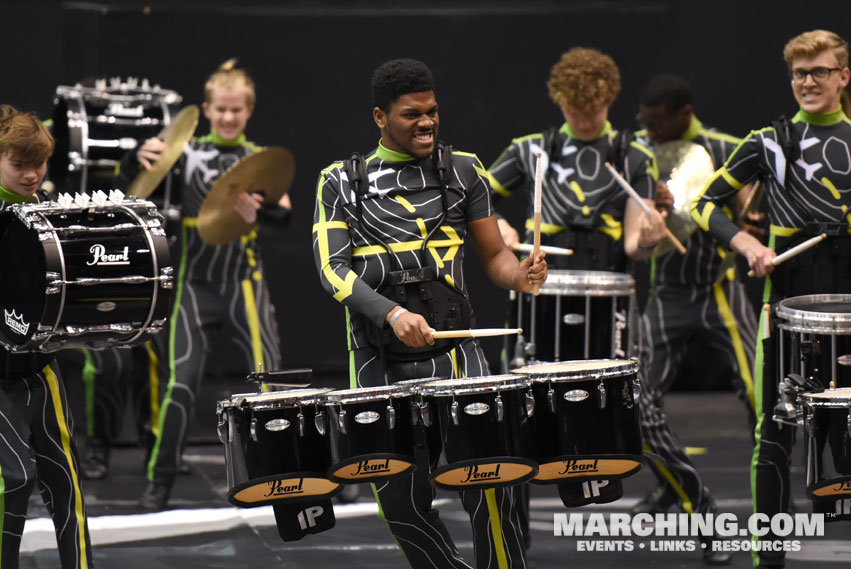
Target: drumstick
x,y
750,202
767,323
800,248
644,207
548,249
536,240
476,333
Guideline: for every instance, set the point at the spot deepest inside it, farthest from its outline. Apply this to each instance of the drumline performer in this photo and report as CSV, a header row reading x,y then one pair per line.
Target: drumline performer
x,y
689,298
37,430
583,207
407,207
220,291
802,163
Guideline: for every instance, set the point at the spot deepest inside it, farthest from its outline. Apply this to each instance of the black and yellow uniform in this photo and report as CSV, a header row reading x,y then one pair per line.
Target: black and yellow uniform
x,y
402,206
806,194
220,294
37,445
688,300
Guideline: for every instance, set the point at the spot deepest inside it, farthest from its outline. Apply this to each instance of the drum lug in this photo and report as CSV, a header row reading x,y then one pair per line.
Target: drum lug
x,y
551,399
425,413
453,410
530,403
848,422
341,422
601,394
391,417
319,422
167,277
252,429
223,430
626,392
300,418
636,389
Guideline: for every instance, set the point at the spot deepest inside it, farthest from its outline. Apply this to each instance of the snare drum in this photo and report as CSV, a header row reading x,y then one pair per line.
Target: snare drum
x,y
814,344
482,422
83,276
579,315
372,433
826,418
273,450
95,126
584,422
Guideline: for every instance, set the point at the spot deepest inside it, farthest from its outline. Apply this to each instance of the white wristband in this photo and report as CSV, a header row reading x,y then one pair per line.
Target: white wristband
x,y
396,315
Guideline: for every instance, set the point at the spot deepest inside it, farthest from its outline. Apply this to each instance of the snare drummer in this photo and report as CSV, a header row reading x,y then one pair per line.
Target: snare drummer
x,y
36,429
803,165
413,186
234,304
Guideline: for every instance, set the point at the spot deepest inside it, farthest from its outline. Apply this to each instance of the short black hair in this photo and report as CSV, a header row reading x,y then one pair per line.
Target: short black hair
x,y
666,89
399,77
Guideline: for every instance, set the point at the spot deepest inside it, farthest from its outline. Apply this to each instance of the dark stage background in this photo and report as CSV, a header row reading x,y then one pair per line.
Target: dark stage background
x,y
312,62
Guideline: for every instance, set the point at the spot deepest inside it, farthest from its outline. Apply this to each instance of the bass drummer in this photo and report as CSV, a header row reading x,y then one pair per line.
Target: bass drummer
x,y
583,207
397,215
803,164
36,429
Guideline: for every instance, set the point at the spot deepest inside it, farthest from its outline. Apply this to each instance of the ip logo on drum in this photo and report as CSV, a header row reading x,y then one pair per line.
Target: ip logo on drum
x,y
101,258
280,488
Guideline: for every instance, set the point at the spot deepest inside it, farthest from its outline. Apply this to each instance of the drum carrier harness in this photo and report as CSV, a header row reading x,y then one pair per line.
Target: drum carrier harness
x,y
592,249
417,290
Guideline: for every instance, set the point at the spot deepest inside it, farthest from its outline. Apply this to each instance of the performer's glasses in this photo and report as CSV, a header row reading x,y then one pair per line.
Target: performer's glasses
x,y
818,73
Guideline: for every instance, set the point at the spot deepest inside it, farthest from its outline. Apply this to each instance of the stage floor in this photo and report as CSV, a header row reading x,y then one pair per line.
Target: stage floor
x,y
202,531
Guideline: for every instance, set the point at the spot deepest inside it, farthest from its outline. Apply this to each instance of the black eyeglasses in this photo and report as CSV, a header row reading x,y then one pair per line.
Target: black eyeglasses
x,y
818,73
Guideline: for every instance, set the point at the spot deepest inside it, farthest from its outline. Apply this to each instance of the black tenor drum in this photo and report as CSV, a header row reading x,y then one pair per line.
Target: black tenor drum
x,y
826,418
584,422
579,315
80,274
95,125
273,450
372,433
482,422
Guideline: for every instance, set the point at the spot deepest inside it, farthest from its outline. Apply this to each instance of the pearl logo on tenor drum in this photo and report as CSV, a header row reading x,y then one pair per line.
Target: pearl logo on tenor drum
x,y
620,326
101,258
16,323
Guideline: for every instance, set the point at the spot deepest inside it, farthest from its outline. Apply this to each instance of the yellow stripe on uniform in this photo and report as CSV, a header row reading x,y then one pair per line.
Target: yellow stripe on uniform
x,y
577,189
345,285
496,529
666,474
253,323
738,347
831,188
53,385
546,228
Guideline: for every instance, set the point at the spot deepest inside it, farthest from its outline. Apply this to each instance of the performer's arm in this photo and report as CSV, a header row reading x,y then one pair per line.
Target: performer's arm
x,y
642,232
501,263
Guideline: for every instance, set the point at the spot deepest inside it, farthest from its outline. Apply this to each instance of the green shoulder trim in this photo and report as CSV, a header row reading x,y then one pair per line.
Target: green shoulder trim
x,y
820,119
219,141
520,139
640,133
11,197
391,155
638,146
605,131
721,136
694,129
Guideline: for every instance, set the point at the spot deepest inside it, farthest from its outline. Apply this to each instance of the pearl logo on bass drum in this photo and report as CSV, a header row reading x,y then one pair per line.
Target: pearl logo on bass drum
x,y
101,258
16,323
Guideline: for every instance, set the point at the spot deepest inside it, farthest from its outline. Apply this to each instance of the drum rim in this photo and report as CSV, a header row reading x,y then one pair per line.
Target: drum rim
x,y
628,367
366,394
508,381
588,283
817,400
238,399
800,320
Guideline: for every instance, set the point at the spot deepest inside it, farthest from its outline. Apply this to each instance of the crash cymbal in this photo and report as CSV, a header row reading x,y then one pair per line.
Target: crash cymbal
x,y
269,171
175,135
685,167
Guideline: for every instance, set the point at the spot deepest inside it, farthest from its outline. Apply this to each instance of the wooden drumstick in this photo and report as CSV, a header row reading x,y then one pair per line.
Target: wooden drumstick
x,y
475,333
767,322
548,249
644,207
536,240
796,250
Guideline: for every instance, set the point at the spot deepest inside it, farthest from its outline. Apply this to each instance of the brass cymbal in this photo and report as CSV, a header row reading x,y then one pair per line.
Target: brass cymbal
x,y
685,167
175,136
270,170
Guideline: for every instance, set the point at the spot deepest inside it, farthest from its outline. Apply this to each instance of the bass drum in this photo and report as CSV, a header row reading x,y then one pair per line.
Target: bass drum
x,y
95,126
78,276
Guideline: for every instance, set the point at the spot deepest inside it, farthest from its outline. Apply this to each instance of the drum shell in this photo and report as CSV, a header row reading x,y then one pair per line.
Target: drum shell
x,y
268,456
372,443
41,253
827,446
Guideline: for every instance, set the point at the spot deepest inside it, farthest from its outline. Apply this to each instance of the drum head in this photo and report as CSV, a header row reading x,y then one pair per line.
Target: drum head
x,y
588,283
483,384
816,313
362,394
840,397
580,369
278,399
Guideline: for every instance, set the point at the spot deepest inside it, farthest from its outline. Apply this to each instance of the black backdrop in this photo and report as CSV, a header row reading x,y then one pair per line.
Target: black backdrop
x,y
312,62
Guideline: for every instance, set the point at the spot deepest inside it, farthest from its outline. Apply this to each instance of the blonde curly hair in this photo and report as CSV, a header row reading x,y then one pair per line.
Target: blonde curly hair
x,y
584,80
812,43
